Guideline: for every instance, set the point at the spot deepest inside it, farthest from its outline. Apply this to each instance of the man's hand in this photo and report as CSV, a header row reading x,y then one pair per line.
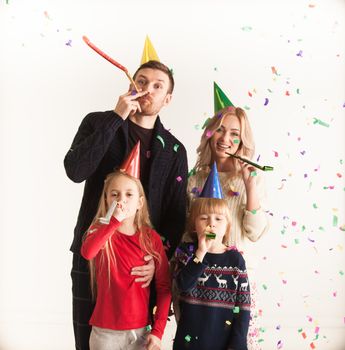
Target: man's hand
x,y
128,104
153,342
146,271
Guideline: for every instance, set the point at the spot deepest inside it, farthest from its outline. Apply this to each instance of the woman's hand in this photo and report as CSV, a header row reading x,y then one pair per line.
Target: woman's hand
x,y
153,342
248,175
145,271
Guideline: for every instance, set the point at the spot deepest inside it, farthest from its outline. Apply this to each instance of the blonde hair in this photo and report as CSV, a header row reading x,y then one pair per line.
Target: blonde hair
x,y
246,147
141,221
202,206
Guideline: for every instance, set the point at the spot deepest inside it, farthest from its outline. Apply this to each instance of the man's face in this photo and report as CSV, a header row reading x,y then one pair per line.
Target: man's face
x,y
157,84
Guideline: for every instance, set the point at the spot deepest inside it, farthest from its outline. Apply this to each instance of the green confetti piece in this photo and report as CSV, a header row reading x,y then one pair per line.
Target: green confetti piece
x,y
236,141
297,91
247,28
269,90
148,328
335,221
321,228
264,286
253,173
320,122
188,338
247,108
314,205
282,232
263,330
253,211
260,340
176,146
296,240
303,228
205,123
192,172
236,310
160,138
341,273
300,330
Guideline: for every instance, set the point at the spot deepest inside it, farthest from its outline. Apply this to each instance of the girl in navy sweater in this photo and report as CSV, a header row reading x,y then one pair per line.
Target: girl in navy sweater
x,y
211,282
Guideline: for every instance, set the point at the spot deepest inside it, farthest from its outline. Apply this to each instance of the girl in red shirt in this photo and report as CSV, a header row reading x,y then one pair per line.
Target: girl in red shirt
x,y
121,318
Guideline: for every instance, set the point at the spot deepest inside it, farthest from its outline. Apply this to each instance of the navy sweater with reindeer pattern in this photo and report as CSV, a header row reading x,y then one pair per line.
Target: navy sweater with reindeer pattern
x,y
214,300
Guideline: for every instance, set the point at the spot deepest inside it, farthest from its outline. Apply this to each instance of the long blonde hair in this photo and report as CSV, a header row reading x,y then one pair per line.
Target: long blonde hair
x,y
202,206
141,221
246,147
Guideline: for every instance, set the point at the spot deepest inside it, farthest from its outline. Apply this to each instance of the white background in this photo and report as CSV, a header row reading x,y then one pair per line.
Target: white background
x,y
47,87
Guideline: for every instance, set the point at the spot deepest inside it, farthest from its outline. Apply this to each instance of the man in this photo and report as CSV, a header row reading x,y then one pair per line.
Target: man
x,y
102,142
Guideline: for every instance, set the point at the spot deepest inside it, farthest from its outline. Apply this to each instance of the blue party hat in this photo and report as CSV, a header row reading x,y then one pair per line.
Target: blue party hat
x,y
212,187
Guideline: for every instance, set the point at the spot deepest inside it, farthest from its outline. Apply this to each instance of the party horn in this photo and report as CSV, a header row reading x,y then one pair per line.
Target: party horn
x,y
111,60
105,220
261,167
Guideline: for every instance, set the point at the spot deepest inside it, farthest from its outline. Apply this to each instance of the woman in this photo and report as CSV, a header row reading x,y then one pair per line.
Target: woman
x,y
229,132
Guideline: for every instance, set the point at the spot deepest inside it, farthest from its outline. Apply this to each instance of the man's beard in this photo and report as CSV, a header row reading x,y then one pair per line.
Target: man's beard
x,y
148,108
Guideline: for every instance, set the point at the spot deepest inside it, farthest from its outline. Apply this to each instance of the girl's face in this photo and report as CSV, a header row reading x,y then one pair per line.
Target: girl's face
x,y
226,138
125,191
216,223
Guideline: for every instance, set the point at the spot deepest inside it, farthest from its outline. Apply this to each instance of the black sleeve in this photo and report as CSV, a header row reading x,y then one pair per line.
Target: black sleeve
x,y
90,144
173,221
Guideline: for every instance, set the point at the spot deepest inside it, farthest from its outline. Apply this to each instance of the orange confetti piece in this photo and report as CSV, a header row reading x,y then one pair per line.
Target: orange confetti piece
x,y
274,71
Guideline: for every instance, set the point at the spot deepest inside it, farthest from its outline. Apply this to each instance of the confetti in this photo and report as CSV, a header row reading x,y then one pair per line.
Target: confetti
x,y
276,154
247,28
188,338
228,322
320,122
279,344
208,134
300,52
274,71
264,286
69,43
312,345
236,141
250,94
176,146
179,178
160,138
236,310
335,221
148,328
266,101
192,172
253,173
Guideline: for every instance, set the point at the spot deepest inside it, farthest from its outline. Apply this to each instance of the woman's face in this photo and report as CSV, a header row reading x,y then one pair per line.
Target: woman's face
x,y
226,138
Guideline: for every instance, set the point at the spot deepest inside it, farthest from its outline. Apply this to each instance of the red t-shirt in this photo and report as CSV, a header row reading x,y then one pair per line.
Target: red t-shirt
x,y
122,303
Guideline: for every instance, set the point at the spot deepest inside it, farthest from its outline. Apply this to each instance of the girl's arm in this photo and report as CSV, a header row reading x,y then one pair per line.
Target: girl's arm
x,y
96,238
240,322
189,268
90,144
163,289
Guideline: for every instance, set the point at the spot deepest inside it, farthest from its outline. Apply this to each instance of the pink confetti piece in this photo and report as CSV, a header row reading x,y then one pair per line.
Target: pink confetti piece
x,y
284,281
287,93
266,101
310,319
293,223
284,246
317,330
250,94
334,294
179,178
339,175
276,154
208,134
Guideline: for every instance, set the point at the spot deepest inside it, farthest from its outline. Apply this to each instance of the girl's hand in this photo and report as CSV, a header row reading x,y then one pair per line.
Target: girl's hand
x,y
120,212
153,342
204,245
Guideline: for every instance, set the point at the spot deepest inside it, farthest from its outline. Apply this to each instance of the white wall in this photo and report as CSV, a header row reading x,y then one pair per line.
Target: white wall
x,y
46,88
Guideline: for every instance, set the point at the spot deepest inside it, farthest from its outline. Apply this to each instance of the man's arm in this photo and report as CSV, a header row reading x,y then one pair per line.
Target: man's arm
x,y
90,144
